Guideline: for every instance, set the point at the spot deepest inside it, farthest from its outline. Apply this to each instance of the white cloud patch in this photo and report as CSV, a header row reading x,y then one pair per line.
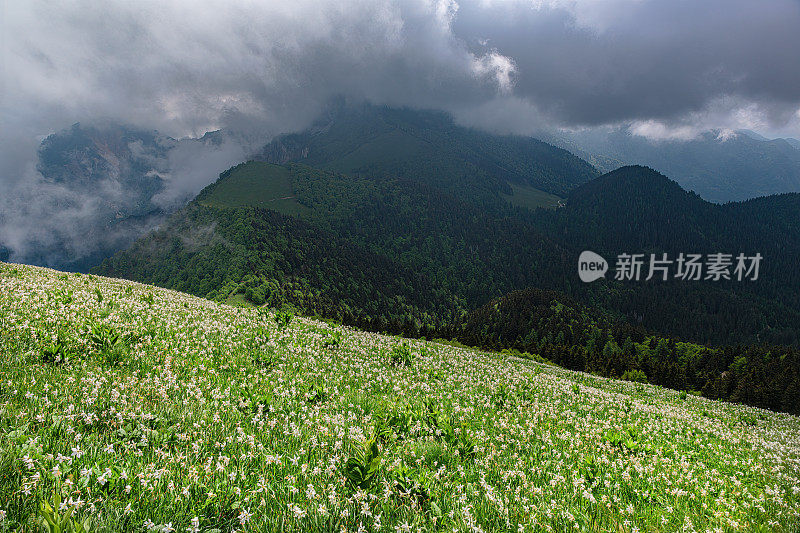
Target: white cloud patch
x,y
659,131
194,165
497,66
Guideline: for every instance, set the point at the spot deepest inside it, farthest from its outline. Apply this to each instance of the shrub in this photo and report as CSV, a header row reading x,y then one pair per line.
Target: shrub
x,y
415,485
55,353
502,397
333,339
109,343
362,467
636,376
458,437
314,393
54,519
284,317
402,356
400,419
255,401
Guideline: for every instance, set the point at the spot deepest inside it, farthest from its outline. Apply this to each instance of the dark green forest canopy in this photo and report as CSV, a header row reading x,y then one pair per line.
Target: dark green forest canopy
x,y
559,329
471,254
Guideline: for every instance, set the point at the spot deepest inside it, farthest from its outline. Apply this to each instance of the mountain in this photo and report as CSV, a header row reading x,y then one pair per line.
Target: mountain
x,y
638,210
258,256
241,238
86,157
721,166
428,146
94,196
792,142
97,188
402,256
101,187
446,253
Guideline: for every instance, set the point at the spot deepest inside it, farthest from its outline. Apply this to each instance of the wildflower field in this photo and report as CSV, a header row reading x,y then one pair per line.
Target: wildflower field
x,y
125,407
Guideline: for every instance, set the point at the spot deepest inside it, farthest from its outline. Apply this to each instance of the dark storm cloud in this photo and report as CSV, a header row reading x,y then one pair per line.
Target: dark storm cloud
x,y
187,67
183,67
595,63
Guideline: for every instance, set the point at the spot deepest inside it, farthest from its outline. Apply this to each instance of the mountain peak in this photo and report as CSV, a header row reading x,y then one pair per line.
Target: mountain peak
x,y
428,146
630,180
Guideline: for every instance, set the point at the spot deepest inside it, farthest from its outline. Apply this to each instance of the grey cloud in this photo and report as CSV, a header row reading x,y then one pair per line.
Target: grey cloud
x,y
193,166
95,189
52,224
256,69
187,67
182,67
670,61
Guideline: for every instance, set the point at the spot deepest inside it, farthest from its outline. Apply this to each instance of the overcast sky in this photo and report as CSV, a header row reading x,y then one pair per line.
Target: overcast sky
x,y
663,69
185,67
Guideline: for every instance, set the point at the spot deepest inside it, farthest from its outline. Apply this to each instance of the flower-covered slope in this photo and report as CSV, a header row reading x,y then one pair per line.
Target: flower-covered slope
x,y
125,407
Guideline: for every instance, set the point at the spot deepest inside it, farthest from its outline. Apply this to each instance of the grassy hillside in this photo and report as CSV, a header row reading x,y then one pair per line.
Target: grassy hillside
x,y
531,197
254,184
151,410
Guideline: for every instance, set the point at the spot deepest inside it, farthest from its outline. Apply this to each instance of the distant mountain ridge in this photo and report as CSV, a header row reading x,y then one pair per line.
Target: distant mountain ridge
x,y
720,166
99,181
99,187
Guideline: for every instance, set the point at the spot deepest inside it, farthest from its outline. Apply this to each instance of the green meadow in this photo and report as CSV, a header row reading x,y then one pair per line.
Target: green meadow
x,y
125,407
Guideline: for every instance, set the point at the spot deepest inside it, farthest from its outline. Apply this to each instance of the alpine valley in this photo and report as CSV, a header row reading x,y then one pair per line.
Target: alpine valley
x,y
401,221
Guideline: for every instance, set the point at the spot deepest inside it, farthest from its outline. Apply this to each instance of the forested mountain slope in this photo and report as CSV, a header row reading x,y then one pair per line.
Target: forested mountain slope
x,y
463,255
637,210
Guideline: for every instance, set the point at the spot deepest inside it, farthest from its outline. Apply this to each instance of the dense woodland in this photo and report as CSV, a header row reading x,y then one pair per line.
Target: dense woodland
x,y
266,258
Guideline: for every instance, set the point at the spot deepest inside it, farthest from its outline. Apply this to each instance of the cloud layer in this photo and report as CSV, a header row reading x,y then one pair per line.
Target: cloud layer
x,y
663,69
707,64
185,68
